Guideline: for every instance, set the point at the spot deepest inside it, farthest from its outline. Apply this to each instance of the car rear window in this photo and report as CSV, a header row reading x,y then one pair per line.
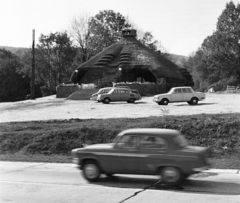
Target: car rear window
x,y
152,142
135,91
186,90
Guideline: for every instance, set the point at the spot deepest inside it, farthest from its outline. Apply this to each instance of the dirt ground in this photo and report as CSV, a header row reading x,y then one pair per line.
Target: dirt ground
x,y
54,108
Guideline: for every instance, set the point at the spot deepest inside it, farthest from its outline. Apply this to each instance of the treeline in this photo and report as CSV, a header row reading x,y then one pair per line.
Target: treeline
x,y
58,54
217,61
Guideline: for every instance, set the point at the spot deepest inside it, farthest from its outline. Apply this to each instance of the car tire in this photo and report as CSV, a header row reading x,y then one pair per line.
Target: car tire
x,y
194,101
164,102
131,100
171,175
106,101
109,175
91,171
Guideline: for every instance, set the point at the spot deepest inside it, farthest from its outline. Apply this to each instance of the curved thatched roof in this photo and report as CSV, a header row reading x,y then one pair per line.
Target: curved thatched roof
x,y
129,52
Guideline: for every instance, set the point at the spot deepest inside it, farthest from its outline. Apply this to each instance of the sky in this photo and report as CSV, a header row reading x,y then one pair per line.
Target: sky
x,y
180,25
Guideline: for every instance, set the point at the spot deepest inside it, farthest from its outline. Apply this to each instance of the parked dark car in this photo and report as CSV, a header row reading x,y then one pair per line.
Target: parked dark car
x,y
143,151
119,94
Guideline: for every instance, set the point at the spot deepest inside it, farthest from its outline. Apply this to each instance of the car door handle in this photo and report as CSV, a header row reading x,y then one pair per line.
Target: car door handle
x,y
132,150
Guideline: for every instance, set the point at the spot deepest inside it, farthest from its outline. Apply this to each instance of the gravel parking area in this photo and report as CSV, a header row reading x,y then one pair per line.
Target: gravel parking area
x,y
53,108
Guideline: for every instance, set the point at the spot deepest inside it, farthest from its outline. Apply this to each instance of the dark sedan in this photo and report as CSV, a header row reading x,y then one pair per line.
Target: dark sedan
x,y
143,151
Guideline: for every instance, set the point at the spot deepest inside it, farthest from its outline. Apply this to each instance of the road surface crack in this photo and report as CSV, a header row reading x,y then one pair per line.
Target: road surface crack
x,y
136,193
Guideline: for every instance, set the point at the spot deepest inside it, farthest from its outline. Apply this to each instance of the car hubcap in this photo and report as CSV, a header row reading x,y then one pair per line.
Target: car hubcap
x,y
91,171
170,175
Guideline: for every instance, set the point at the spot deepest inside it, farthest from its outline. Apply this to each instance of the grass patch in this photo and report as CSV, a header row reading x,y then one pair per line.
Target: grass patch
x,y
53,140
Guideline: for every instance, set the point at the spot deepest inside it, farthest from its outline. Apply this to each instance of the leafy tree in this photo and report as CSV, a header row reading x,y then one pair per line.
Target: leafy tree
x,y
148,40
54,58
222,48
105,29
14,86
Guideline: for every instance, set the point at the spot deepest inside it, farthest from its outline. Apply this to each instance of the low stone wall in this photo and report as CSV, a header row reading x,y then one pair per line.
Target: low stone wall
x,y
82,94
63,91
76,92
145,89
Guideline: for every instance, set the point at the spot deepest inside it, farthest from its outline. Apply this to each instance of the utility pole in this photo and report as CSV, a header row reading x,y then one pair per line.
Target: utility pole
x,y
33,66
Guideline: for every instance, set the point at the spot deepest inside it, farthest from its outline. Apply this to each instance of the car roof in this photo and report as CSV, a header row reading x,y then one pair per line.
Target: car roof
x,y
121,88
183,87
105,88
150,131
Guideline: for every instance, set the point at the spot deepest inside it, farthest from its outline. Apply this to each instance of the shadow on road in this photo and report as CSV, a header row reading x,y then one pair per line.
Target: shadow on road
x,y
199,104
189,185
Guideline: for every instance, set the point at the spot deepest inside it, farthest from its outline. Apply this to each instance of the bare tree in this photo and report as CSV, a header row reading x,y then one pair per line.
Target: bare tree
x,y
79,31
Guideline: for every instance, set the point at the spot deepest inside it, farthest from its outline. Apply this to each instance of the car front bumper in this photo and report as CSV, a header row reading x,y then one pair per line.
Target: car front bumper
x,y
200,169
156,100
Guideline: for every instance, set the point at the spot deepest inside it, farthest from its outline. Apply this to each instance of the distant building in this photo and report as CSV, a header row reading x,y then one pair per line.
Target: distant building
x,y
128,60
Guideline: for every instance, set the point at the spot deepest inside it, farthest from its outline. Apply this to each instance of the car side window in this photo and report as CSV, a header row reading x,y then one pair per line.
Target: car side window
x,y
185,90
189,90
179,91
128,141
152,142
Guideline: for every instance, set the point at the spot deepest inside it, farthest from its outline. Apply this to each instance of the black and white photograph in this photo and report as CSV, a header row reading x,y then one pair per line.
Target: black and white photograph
x,y
128,101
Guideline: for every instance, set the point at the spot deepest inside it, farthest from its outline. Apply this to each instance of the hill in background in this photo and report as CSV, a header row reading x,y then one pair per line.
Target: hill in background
x,y
19,51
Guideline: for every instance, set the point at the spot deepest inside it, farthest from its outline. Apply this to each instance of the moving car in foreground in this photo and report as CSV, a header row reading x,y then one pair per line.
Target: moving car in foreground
x,y
119,94
179,94
146,151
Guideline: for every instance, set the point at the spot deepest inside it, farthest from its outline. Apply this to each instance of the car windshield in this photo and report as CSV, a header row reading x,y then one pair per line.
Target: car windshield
x,y
116,139
181,141
171,91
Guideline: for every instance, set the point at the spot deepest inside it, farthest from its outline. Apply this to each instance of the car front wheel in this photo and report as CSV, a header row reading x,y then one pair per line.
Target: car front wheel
x,y
106,101
164,102
91,171
171,175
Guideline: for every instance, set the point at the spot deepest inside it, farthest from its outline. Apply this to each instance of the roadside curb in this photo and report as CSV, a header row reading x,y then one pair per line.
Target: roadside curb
x,y
229,171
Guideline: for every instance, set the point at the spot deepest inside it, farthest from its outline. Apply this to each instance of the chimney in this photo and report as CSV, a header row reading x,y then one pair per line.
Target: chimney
x,y
129,33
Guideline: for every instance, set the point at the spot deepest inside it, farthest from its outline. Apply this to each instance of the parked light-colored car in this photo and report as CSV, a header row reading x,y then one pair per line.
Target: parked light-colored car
x,y
143,151
179,94
119,94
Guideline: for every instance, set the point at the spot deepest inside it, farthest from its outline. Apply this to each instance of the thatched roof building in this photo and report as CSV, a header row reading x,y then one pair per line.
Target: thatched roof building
x,y
129,60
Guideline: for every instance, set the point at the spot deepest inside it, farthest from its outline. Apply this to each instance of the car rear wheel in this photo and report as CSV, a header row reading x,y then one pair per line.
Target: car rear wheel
x,y
131,100
164,102
194,101
106,101
171,175
91,171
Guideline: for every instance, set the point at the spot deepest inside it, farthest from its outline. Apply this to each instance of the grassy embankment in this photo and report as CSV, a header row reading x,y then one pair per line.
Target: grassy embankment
x,y
53,140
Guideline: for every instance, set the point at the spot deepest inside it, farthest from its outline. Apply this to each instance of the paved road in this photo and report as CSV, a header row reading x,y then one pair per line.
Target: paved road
x,y
23,182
